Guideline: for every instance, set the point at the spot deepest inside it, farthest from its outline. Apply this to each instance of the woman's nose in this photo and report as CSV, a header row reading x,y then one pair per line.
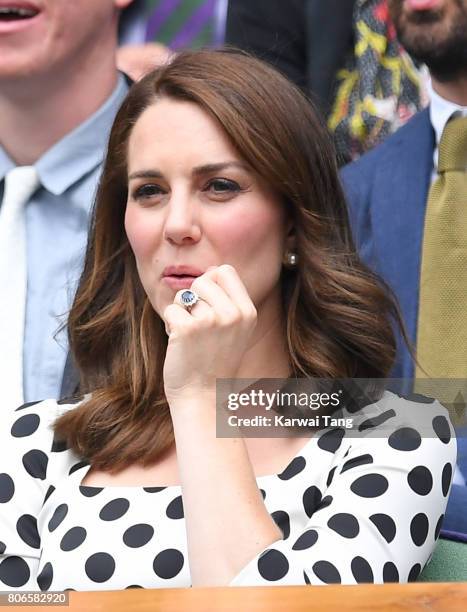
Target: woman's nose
x,y
182,224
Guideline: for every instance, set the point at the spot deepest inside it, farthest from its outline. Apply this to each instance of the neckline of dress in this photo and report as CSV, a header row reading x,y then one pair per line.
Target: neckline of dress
x,y
302,451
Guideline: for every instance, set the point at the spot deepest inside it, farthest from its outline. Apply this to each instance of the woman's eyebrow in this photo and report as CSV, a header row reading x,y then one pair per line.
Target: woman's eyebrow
x,y
197,170
209,168
145,174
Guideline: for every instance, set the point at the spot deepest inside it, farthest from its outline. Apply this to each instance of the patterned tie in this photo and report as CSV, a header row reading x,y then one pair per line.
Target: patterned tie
x,y
20,184
181,23
442,318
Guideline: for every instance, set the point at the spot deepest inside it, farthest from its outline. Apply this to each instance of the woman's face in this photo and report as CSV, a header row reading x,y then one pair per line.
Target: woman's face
x,y
193,203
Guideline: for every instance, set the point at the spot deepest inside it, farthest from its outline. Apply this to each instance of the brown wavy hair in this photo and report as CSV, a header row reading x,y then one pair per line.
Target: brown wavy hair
x,y
339,316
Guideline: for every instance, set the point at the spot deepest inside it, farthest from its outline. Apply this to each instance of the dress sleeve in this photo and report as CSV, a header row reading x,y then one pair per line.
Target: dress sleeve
x,y
25,440
380,516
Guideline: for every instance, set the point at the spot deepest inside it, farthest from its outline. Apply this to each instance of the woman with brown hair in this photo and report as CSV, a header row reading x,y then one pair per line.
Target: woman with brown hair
x,y
219,249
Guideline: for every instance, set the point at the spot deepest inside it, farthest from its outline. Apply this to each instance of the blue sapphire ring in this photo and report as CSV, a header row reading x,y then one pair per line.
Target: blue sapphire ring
x,y
187,298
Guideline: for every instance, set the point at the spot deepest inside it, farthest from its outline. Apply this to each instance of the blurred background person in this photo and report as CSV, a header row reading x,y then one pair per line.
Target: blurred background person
x,y
408,208
59,92
342,52
152,30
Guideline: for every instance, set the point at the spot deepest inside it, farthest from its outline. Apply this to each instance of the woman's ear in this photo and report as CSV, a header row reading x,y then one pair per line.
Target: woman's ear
x,y
291,237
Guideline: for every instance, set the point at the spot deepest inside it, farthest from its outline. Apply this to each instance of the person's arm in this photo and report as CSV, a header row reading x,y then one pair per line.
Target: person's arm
x,y
226,519
272,30
25,441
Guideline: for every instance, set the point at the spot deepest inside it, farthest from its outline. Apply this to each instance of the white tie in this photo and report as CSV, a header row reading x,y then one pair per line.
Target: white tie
x,y
20,184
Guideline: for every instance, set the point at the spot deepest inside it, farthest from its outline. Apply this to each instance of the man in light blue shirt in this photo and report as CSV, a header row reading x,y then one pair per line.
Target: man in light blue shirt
x,y
59,93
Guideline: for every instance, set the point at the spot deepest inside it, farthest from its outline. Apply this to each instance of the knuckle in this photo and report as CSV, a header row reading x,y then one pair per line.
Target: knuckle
x,y
226,268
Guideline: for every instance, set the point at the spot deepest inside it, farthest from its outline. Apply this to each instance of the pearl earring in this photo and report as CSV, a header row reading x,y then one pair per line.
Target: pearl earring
x,y
291,259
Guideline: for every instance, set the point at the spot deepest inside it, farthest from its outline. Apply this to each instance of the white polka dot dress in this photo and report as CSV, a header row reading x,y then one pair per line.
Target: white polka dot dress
x,y
352,508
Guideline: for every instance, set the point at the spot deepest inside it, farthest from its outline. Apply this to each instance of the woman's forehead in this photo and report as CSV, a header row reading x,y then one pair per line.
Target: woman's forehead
x,y
181,129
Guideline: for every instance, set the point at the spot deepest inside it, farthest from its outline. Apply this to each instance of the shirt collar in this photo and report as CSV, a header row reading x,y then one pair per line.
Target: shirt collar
x,y
80,151
441,110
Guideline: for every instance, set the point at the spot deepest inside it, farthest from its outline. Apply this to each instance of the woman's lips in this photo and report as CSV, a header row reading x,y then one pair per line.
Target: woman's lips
x,y
179,282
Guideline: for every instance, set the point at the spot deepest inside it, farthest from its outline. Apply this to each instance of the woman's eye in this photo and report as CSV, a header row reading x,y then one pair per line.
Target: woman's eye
x,y
147,191
220,186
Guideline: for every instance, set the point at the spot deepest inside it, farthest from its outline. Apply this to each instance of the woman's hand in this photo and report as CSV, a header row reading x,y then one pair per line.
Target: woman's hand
x,y
209,342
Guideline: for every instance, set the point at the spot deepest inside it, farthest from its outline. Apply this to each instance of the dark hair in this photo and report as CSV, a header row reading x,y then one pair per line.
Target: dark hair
x,y
339,316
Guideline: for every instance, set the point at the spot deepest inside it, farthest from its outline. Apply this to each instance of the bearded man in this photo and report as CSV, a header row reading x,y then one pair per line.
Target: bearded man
x,y
408,206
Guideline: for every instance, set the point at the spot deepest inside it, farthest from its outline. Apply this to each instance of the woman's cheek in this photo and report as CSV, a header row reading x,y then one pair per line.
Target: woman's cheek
x,y
138,231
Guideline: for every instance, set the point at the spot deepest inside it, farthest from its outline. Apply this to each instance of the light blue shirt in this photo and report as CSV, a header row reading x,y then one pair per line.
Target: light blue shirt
x,y
57,218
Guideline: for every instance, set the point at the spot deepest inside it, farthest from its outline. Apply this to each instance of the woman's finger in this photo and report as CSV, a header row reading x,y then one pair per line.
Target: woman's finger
x,y
226,277
214,296
175,317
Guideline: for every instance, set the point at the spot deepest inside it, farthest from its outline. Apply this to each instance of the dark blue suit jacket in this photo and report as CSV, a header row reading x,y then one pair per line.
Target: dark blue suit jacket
x,y
387,191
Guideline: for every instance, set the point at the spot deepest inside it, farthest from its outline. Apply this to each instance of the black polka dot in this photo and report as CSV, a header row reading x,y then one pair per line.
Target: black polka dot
x,y
73,538
77,466
28,405
345,525
14,572
114,509
417,397
438,526
420,480
405,439
414,572
330,476
306,540
49,492
446,478
306,579
35,463
385,525
419,528
2,547
100,567
44,579
134,586
273,565
390,573
441,428
361,570
295,467
282,520
376,421
7,488
153,489
26,526
311,499
356,462
327,572
138,535
175,508
168,563
89,491
370,485
263,493
58,516
58,446
331,440
324,503
25,425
